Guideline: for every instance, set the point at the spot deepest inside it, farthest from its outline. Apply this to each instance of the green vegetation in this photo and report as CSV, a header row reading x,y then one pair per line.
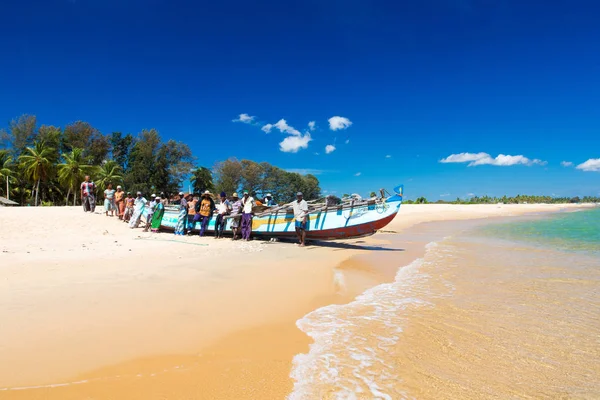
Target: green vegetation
x,y
45,165
261,178
518,199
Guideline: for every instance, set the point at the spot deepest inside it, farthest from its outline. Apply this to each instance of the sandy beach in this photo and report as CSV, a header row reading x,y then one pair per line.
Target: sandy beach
x,y
93,309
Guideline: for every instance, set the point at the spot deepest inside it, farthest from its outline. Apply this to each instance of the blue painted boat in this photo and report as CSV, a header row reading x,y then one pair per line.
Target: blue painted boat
x,y
351,219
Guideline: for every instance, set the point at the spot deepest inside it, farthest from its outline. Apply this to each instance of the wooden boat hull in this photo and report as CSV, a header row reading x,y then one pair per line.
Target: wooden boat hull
x,y
335,222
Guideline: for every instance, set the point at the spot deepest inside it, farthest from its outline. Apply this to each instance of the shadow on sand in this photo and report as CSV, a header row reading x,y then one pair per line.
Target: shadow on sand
x,y
349,246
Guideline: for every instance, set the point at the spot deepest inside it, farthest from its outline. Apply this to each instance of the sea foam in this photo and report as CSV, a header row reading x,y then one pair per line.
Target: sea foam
x,y
350,356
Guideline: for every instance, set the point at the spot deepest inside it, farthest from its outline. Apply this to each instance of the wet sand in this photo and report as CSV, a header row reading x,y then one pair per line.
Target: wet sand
x,y
107,312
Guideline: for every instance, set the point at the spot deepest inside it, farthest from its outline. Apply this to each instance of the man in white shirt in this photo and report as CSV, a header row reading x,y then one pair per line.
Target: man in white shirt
x,y
301,214
247,204
223,208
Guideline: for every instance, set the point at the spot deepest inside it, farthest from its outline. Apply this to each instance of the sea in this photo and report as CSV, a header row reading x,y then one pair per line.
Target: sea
x,y
495,309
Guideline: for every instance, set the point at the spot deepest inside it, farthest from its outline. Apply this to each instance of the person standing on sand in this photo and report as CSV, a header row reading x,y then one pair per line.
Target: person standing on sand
x,y
150,212
88,195
109,201
236,209
182,219
129,201
159,211
204,211
192,213
120,202
301,214
222,209
247,204
138,208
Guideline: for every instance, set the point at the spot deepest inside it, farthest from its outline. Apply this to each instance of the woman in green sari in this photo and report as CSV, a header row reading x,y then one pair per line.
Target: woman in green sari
x,y
159,210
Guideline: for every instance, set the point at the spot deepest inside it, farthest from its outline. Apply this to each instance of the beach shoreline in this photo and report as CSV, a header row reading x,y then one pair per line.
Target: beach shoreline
x,y
167,297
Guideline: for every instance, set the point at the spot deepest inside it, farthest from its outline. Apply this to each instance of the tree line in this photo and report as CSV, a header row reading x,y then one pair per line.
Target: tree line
x,y
518,199
46,165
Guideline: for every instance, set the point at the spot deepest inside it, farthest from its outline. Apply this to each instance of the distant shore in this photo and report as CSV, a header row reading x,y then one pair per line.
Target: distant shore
x,y
93,308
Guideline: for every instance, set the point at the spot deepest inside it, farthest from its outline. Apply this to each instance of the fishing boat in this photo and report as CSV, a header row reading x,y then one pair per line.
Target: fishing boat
x,y
354,217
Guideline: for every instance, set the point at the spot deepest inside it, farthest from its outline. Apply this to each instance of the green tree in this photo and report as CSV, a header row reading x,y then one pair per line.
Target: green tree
x,y
142,161
310,187
121,148
179,162
108,172
156,166
274,181
72,172
51,136
252,176
421,200
228,175
7,170
22,133
37,163
82,135
202,180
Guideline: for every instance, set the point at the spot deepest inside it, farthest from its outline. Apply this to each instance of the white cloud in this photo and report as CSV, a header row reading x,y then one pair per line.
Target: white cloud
x,y
347,141
245,118
267,128
312,125
285,128
329,149
357,174
471,194
591,165
444,194
292,144
388,156
501,160
336,123
566,163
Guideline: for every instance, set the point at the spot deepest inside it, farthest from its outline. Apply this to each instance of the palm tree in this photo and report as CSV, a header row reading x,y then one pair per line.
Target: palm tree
x,y
6,170
37,163
109,172
72,171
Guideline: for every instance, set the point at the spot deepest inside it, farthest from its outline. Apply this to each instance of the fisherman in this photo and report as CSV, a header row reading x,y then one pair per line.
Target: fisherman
x,y
129,201
88,195
120,201
223,209
182,218
247,204
138,208
236,209
301,214
151,208
159,211
192,205
269,201
204,211
109,200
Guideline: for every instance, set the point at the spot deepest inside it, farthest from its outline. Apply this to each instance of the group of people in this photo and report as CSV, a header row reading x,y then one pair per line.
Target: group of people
x,y
128,209
202,210
192,210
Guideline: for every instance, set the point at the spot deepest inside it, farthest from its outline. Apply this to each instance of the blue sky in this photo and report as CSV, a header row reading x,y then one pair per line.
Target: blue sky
x,y
419,82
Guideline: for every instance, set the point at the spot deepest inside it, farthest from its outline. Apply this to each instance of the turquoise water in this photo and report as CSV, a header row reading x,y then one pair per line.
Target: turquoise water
x,y
569,231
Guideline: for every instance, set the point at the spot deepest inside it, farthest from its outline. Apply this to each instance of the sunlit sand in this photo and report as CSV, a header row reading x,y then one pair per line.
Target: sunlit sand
x,y
91,308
